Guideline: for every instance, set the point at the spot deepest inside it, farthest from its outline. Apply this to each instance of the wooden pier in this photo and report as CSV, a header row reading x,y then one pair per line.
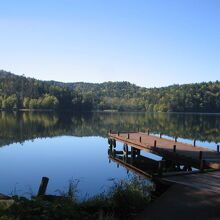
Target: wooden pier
x,y
192,172
195,156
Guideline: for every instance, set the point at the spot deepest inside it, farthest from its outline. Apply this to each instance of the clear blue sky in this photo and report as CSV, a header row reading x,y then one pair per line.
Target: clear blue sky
x,y
147,42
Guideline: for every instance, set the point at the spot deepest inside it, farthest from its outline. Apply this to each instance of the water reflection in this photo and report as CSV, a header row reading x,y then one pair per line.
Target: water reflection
x,y
74,146
145,166
21,126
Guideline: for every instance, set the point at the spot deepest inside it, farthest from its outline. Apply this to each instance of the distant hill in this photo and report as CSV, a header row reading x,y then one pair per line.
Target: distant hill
x,y
19,92
122,96
5,74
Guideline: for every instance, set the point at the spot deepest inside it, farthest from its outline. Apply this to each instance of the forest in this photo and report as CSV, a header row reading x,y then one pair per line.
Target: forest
x,y
19,92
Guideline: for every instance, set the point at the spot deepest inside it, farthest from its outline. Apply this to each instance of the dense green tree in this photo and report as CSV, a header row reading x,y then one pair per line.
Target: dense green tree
x,y
17,92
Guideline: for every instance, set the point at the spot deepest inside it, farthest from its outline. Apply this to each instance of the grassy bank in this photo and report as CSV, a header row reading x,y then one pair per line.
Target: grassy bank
x,y
123,200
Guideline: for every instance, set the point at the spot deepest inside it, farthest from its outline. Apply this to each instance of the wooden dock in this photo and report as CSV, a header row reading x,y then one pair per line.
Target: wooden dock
x,y
192,172
195,156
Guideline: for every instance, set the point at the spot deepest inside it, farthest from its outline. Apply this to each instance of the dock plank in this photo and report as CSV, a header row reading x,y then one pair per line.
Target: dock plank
x,y
165,146
203,181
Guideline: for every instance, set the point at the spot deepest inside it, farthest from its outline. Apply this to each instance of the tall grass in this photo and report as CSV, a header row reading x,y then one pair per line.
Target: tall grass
x,y
122,200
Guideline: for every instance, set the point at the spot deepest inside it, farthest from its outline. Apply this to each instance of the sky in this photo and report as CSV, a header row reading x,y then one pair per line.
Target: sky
x,y
151,43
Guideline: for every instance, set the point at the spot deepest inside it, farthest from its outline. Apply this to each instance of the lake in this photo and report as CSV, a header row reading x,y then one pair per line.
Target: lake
x,y
68,146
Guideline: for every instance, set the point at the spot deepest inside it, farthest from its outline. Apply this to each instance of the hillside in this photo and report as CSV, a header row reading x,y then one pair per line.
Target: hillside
x,y
197,97
21,92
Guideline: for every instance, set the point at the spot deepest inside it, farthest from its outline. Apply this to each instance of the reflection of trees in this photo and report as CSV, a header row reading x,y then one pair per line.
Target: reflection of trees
x,y
18,126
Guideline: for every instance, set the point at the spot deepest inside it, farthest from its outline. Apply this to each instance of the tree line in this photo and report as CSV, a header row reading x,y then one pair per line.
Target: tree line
x,y
18,92
124,96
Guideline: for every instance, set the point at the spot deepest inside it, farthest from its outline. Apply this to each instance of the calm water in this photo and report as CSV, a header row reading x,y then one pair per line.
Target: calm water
x,y
72,146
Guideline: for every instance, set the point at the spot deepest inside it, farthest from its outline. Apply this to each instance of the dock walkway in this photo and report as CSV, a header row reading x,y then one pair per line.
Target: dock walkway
x,y
183,202
198,157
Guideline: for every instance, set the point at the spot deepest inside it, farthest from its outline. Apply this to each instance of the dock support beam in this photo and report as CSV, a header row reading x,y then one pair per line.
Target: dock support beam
x,y
200,155
202,164
125,149
160,168
138,152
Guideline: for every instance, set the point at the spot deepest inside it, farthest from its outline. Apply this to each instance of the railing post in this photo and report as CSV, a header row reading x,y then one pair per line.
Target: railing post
x,y
128,135
148,132
110,131
194,142
217,148
140,139
175,139
160,135
174,148
155,143
118,133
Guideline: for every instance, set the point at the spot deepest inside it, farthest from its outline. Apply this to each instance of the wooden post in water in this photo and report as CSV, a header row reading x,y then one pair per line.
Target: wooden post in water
x,y
114,153
43,186
140,139
125,149
118,133
132,153
174,148
217,148
155,143
110,142
148,132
